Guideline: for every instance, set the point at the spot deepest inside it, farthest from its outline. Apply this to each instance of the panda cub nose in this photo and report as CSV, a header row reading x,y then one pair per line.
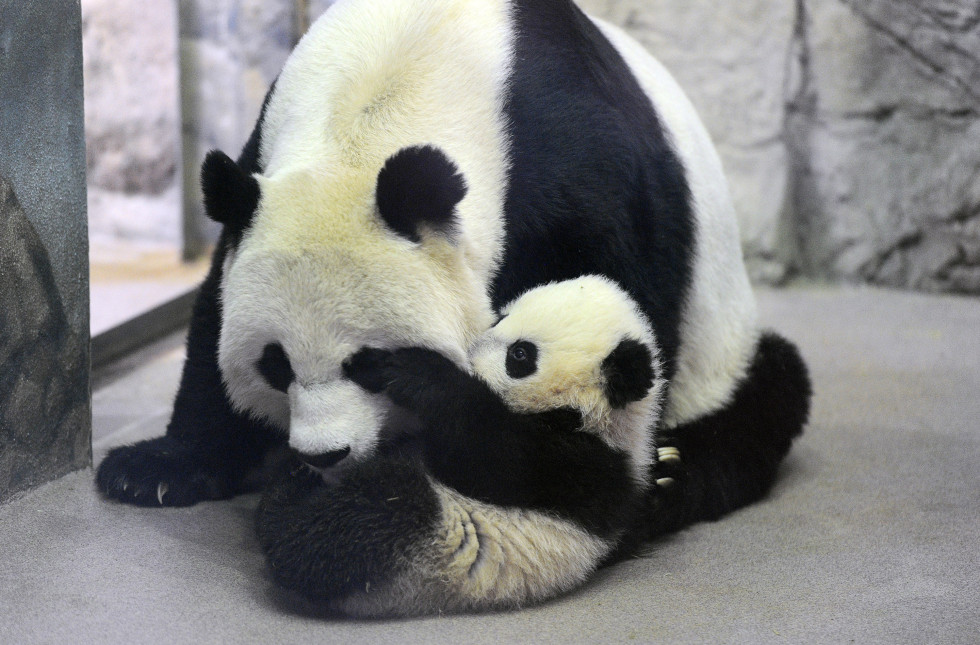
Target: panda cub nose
x,y
326,459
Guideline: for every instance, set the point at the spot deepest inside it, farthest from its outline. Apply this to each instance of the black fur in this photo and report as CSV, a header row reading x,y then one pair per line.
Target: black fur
x,y
231,195
209,450
628,372
325,459
332,541
419,186
236,205
475,444
274,367
594,185
730,458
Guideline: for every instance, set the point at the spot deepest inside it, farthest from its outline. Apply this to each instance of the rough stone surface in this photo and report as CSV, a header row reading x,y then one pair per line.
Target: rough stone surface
x,y
45,419
42,146
849,129
884,123
44,398
730,58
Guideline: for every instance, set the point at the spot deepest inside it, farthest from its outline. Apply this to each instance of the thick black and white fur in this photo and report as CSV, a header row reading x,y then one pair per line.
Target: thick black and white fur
x,y
417,164
535,461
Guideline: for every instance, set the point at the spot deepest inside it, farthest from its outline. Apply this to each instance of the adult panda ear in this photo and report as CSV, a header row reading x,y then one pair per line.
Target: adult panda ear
x,y
628,373
419,186
231,195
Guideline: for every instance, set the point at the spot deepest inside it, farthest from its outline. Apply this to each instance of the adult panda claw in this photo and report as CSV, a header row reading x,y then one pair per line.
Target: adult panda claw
x,y
669,455
161,472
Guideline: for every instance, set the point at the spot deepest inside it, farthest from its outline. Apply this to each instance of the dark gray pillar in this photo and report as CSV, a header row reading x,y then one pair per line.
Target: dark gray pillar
x,y
45,414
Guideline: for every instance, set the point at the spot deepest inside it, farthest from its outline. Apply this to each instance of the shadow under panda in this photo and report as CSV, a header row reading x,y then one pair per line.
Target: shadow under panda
x,y
535,466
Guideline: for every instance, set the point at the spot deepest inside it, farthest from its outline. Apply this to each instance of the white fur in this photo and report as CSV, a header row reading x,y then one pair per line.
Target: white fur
x,y
317,271
719,330
329,416
575,325
370,78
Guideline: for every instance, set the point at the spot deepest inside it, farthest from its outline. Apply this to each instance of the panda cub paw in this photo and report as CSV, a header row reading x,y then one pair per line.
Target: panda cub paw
x,y
667,466
366,367
412,377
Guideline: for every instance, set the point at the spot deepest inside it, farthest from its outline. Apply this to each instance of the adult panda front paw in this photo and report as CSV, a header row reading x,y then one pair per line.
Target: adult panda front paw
x,y
160,472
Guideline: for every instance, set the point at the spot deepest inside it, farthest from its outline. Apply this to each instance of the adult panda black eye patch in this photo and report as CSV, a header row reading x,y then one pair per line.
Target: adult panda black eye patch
x,y
275,368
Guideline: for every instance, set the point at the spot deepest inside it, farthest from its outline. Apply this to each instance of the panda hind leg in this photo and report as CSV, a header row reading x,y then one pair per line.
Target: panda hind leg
x,y
730,458
348,543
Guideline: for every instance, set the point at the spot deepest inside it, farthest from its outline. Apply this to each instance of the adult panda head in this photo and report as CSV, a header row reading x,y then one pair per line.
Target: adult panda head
x,y
321,264
581,344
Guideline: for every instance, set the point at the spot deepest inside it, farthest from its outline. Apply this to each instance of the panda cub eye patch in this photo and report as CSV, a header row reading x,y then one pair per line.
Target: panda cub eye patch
x,y
275,368
522,359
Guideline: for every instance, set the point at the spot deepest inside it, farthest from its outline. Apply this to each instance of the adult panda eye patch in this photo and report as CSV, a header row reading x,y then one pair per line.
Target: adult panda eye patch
x,y
275,368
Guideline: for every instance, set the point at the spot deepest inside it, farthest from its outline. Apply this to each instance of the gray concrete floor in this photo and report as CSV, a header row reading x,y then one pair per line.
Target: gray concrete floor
x,y
870,536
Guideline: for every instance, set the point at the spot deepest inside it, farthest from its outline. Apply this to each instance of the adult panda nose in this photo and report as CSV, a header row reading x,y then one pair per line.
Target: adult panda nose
x,y
333,421
324,459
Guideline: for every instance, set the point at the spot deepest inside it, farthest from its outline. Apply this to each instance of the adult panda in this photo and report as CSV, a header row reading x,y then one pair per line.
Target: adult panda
x,y
420,162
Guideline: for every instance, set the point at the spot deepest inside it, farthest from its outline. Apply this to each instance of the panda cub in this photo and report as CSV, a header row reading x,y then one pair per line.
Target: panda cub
x,y
534,465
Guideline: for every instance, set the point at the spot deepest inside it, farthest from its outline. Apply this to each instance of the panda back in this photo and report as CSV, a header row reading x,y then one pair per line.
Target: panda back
x,y
612,173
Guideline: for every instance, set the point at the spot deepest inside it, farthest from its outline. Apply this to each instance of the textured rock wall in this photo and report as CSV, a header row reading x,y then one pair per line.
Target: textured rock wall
x,y
45,420
44,403
849,129
884,127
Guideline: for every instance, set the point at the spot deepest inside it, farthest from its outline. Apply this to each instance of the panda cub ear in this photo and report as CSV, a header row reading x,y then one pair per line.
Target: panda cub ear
x,y
231,195
419,186
628,373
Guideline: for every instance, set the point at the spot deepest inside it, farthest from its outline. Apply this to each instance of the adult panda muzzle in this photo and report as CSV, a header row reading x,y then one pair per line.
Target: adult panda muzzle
x,y
327,422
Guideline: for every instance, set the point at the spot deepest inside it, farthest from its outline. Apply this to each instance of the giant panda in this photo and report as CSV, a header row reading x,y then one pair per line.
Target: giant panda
x,y
417,164
536,458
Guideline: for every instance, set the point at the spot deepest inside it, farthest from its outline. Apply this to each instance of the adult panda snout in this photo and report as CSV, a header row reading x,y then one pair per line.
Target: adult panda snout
x,y
331,422
325,460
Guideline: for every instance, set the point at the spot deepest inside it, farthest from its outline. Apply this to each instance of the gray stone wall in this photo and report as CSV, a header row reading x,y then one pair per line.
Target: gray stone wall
x,y
884,128
45,418
849,129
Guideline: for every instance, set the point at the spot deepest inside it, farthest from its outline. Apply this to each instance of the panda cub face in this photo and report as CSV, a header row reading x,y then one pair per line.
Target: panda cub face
x,y
581,344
